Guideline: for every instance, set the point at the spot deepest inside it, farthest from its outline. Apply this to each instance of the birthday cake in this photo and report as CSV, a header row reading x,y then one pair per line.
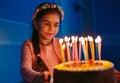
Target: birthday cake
x,y
91,69
80,72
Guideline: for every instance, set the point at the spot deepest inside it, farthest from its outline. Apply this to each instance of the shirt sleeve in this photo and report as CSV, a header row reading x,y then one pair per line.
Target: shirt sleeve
x,y
27,72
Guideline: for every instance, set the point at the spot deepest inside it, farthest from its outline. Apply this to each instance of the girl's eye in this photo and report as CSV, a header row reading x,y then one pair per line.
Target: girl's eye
x,y
56,25
46,23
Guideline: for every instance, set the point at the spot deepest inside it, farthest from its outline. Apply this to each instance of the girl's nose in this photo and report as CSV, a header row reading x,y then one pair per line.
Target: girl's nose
x,y
51,27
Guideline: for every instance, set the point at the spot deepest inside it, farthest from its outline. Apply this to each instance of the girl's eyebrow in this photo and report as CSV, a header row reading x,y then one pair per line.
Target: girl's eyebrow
x,y
48,21
45,20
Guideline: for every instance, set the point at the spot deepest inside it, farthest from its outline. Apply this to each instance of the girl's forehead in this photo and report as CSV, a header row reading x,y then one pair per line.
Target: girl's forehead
x,y
52,17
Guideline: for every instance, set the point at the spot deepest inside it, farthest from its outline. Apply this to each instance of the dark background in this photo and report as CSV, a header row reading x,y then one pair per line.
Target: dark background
x,y
82,18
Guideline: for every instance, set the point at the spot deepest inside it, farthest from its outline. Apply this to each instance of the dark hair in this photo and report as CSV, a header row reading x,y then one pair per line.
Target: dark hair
x,y
38,14
46,8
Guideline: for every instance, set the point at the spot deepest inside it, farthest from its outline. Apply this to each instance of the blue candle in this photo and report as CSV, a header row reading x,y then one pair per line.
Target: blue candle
x,y
96,51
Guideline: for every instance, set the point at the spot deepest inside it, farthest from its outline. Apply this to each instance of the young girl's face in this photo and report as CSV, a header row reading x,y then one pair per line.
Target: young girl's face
x,y
48,26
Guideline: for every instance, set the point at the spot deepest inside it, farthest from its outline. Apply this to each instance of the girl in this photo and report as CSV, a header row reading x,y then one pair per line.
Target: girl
x,y
41,53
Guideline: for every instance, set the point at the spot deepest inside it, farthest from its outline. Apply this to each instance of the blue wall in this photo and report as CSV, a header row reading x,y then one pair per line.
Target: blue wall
x,y
12,35
72,24
107,24
19,10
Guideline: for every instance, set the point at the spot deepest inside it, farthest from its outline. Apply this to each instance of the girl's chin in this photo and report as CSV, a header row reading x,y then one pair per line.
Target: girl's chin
x,y
49,38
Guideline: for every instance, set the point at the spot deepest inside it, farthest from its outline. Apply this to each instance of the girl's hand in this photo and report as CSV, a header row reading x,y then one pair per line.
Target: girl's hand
x,y
46,75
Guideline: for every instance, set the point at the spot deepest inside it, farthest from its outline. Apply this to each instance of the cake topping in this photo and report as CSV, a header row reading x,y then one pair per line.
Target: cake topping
x,y
82,66
80,48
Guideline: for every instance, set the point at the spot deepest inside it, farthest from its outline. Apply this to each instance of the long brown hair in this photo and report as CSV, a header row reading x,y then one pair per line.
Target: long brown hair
x,y
38,14
41,10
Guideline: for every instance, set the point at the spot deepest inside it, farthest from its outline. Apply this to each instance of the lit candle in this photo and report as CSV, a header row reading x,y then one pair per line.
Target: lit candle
x,y
76,49
86,47
80,52
70,45
73,47
92,48
62,50
96,51
98,42
67,48
96,48
83,46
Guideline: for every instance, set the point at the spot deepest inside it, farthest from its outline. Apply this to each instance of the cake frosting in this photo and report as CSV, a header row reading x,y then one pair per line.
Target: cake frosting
x,y
81,72
82,66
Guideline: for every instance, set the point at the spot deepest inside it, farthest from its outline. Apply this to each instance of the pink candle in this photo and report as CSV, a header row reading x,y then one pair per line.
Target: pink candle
x,y
76,49
67,48
73,47
80,52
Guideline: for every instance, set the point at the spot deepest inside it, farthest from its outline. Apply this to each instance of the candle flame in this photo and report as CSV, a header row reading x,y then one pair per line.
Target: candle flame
x,y
67,39
90,38
82,40
98,39
61,41
86,39
76,38
73,39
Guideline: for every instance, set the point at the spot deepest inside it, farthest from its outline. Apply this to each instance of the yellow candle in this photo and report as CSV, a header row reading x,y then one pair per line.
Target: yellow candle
x,y
61,50
99,50
86,46
93,51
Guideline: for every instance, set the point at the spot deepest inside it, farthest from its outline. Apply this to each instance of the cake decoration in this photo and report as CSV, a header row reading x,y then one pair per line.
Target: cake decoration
x,y
73,47
82,63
